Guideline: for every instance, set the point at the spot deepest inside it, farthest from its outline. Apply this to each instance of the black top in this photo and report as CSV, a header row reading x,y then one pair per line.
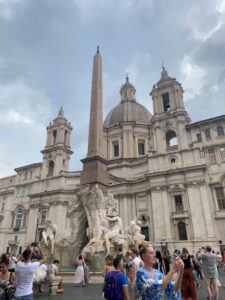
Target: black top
x,y
167,264
187,262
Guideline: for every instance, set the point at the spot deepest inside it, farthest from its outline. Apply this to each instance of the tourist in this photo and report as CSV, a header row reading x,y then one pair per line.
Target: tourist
x,y
136,264
209,270
108,264
196,271
79,275
152,283
160,265
219,261
7,278
115,286
12,262
188,285
120,251
53,275
25,273
128,265
166,260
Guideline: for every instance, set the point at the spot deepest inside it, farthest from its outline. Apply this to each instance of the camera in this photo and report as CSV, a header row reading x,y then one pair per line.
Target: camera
x,y
34,244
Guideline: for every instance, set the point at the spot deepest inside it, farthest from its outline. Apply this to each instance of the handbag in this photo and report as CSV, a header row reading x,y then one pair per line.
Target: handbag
x,y
9,293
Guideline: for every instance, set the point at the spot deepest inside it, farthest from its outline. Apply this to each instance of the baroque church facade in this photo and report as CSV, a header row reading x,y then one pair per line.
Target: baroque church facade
x,y
164,170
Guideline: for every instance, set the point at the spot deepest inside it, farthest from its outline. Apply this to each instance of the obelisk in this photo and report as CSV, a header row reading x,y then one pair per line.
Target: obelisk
x,y
94,165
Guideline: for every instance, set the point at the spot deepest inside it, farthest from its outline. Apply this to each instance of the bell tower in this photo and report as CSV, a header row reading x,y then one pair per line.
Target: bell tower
x,y
170,117
56,155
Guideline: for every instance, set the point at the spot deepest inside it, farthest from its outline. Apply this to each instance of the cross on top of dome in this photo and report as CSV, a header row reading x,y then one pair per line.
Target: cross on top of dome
x,y
127,91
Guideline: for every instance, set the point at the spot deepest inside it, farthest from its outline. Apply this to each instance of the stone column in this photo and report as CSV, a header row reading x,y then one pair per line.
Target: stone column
x,y
32,224
158,220
207,212
166,215
195,204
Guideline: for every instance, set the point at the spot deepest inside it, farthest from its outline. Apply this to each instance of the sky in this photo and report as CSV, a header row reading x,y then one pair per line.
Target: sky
x,y
46,54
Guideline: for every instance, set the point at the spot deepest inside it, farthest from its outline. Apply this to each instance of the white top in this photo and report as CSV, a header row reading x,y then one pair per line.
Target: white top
x,y
12,262
44,267
25,275
52,271
137,262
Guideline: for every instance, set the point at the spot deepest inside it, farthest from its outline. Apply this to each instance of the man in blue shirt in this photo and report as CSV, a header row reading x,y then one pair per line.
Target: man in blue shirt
x,y
152,284
115,286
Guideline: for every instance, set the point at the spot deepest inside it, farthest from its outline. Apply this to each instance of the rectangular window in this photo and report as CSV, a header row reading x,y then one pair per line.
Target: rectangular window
x,y
207,134
145,232
116,149
141,148
220,197
178,203
199,137
212,157
222,152
166,101
202,154
28,189
31,174
23,190
43,217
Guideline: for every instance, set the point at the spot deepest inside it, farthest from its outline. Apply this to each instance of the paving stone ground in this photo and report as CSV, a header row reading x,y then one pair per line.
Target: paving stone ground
x,y
93,292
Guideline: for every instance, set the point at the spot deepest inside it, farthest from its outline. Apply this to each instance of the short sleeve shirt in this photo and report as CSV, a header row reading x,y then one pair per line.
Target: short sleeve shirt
x,y
25,275
208,263
151,289
121,280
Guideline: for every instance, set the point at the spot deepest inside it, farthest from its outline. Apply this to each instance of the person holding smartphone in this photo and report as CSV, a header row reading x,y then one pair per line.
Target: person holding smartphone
x,y
25,273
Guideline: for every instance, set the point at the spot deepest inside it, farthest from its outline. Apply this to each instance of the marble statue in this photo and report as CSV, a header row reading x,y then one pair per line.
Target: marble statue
x,y
105,229
94,227
134,235
49,235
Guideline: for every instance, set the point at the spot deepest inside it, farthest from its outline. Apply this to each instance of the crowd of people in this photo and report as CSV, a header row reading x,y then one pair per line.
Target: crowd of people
x,y
150,275
155,275
18,274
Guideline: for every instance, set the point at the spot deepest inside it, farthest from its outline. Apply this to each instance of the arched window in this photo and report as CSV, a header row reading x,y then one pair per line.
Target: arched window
x,y
171,138
182,231
19,216
51,168
220,130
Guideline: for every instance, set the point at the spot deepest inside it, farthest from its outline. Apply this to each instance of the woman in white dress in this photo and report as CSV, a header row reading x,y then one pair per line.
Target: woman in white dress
x,y
79,275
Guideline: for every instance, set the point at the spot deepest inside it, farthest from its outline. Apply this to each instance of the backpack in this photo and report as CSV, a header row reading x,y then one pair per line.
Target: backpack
x,y
111,292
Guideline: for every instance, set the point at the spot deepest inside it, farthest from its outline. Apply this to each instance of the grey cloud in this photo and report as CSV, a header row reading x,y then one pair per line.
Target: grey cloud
x,y
49,47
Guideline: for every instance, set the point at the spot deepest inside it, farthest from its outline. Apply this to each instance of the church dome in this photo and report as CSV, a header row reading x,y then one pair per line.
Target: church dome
x,y
128,110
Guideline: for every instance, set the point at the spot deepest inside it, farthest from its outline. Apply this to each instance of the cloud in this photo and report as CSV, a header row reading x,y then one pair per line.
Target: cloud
x,y
46,55
8,8
193,78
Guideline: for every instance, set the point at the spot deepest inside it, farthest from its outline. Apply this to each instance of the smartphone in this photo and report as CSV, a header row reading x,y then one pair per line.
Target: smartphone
x,y
34,244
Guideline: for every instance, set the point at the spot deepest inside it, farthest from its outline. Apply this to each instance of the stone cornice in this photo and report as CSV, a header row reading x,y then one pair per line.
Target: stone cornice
x,y
28,167
207,121
55,148
6,191
176,171
52,192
